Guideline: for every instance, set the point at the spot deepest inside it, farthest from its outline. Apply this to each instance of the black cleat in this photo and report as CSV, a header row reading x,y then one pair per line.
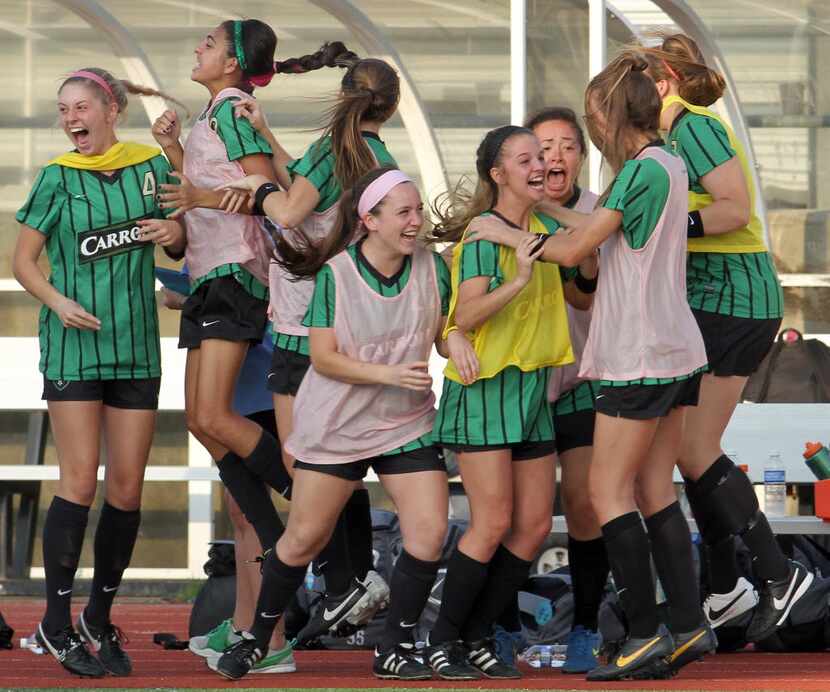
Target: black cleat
x,y
400,663
333,610
638,659
238,659
776,599
482,656
449,660
692,646
71,652
106,642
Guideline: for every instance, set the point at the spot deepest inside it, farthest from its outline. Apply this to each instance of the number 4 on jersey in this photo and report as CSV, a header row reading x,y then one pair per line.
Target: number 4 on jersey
x,y
149,186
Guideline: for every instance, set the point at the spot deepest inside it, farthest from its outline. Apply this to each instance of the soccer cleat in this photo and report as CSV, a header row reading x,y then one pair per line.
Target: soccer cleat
x,y
70,651
378,591
214,643
723,607
106,642
239,659
333,610
449,660
776,600
692,646
508,644
583,645
275,661
638,659
400,663
482,656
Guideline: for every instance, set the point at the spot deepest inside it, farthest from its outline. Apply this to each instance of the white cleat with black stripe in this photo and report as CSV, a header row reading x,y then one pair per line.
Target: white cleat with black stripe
x,y
482,657
400,663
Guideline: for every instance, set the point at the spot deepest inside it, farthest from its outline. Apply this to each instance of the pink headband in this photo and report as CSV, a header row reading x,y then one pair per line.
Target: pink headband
x,y
100,81
378,189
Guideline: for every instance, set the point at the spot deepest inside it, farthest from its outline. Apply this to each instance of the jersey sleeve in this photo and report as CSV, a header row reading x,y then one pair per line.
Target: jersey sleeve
x,y
316,165
704,144
161,170
640,191
381,152
481,258
320,311
43,206
442,273
238,135
568,273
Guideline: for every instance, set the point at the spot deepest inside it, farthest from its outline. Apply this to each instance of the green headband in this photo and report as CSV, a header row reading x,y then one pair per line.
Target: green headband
x,y
237,44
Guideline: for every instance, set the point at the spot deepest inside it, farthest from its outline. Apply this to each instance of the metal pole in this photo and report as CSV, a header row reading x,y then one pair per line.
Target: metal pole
x,y
597,41
518,61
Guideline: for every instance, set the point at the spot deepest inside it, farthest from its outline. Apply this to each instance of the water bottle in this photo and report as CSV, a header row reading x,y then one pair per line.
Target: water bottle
x,y
309,579
775,487
545,655
31,644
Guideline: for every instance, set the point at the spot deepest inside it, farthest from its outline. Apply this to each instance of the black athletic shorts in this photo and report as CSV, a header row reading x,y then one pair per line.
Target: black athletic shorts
x,y
735,346
646,401
574,430
288,368
522,451
222,309
131,394
424,459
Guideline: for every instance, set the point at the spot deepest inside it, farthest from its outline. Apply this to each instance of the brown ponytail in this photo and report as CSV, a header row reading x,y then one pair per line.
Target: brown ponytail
x,y
333,54
680,60
304,258
370,91
120,89
629,103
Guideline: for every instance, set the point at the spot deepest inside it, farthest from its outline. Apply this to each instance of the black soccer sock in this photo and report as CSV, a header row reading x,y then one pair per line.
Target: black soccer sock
x,y
412,581
505,575
588,561
510,618
265,462
628,551
253,499
464,581
722,565
671,547
114,542
279,584
768,560
63,538
333,561
358,512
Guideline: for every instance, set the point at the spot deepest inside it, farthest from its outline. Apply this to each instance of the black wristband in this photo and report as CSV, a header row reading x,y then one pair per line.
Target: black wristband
x,y
540,241
259,197
585,285
695,227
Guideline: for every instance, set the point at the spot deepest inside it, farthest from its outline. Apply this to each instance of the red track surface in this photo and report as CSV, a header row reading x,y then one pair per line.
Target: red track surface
x,y
155,667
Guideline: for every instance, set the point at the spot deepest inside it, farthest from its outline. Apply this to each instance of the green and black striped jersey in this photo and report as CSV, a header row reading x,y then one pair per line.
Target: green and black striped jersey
x,y
727,283
97,259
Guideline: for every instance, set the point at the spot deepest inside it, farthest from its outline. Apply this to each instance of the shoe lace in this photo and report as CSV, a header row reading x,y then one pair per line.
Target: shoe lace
x,y
260,560
116,635
72,640
245,652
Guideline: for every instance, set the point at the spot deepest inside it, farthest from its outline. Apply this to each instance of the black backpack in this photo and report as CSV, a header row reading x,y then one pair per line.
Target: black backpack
x,y
794,372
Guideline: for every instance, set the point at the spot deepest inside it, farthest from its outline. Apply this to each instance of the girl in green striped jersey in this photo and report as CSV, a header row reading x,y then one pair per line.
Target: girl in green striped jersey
x,y
95,211
737,300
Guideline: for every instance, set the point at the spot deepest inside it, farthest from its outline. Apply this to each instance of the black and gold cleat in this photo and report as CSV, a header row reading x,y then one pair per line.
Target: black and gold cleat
x,y
638,659
692,646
